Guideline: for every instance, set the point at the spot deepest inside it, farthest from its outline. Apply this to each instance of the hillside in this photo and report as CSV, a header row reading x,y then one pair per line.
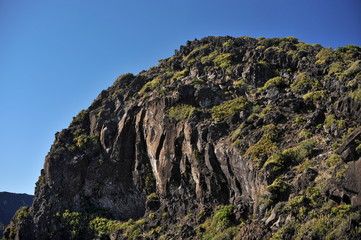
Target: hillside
x,y
230,138
9,204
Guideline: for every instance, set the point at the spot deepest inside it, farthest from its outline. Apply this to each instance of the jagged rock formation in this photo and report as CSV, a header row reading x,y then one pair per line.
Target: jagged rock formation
x,y
230,138
9,204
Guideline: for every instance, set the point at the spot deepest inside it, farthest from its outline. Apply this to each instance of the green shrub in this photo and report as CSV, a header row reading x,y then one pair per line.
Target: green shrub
x,y
180,74
329,120
266,110
302,46
298,205
226,234
83,141
315,196
299,153
276,81
223,60
209,58
356,95
152,196
228,43
241,83
269,42
341,171
153,231
133,230
305,134
265,145
299,120
279,187
342,210
335,68
285,231
349,48
238,131
325,55
333,160
149,179
279,190
279,161
195,51
80,118
229,108
275,164
21,213
353,83
41,180
303,81
181,112
358,148
289,39
264,64
355,67
224,213
75,222
221,225
103,226
197,82
123,77
151,85
349,52
314,96
316,228
306,164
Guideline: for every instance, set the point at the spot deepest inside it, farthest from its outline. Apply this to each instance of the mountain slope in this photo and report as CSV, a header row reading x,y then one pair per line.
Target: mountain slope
x,y
229,138
9,204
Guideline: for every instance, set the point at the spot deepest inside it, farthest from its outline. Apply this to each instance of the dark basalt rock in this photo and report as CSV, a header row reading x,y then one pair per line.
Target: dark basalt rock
x,y
348,149
201,147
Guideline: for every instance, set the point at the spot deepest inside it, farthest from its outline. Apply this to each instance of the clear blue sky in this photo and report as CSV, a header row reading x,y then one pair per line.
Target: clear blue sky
x,y
57,55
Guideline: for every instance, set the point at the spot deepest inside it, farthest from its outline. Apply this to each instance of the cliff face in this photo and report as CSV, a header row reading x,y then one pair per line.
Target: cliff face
x,y
229,138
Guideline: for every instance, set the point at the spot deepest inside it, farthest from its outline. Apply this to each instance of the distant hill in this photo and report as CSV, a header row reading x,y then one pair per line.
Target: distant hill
x,y
9,204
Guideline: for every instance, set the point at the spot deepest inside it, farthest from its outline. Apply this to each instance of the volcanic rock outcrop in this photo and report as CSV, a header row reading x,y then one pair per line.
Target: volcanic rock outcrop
x,y
230,138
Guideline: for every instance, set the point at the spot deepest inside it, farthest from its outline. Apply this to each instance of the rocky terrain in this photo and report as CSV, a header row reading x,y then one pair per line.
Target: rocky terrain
x,y
9,204
230,138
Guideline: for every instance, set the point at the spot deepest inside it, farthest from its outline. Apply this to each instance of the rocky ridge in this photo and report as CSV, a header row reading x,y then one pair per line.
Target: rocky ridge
x,y
230,138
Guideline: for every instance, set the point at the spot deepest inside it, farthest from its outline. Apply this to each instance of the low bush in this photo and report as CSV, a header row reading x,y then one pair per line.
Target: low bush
x,y
181,112
276,81
180,74
266,145
315,96
229,108
223,60
221,226
151,85
303,81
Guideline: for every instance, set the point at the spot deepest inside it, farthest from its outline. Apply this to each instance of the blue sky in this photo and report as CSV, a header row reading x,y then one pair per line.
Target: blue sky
x,y
56,56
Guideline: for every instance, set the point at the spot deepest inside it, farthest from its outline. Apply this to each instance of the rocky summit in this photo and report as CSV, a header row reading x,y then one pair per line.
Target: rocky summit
x,y
230,138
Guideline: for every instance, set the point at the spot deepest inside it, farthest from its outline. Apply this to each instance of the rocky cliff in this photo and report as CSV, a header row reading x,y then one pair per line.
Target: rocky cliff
x,y
230,138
